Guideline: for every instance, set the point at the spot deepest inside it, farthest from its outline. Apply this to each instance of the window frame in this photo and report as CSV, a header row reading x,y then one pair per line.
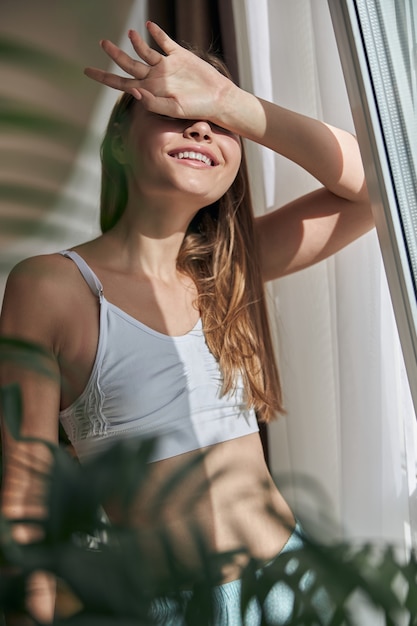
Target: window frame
x,y
354,51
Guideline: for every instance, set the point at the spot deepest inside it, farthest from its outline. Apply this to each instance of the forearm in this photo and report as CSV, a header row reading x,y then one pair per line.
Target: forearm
x,y
26,471
40,586
331,155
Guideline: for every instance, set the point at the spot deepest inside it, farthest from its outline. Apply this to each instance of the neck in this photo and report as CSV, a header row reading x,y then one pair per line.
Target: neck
x,y
147,238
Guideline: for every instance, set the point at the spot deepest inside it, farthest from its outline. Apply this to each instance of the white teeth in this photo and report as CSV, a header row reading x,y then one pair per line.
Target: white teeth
x,y
196,156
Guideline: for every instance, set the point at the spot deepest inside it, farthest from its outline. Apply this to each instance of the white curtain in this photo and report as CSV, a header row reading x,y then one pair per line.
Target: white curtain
x,y
344,454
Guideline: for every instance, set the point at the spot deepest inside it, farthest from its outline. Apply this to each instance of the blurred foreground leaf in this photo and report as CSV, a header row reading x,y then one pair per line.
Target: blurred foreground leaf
x,y
106,569
26,354
11,408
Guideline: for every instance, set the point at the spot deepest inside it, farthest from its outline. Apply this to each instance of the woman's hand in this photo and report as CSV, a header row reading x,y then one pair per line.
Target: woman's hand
x,y
179,85
182,85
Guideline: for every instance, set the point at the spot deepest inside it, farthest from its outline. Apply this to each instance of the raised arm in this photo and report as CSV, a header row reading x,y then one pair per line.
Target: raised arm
x,y
179,84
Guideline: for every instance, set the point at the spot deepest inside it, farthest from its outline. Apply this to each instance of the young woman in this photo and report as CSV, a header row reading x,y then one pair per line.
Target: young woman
x,y
158,327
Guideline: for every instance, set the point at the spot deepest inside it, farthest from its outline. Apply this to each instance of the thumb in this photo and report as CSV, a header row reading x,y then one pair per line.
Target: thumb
x,y
146,97
156,104
136,93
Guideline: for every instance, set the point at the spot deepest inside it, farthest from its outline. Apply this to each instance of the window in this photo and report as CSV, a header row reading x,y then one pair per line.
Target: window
x,y
377,42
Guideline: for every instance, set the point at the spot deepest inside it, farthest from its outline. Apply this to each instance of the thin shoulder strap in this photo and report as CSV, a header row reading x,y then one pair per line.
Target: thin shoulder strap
x,y
88,274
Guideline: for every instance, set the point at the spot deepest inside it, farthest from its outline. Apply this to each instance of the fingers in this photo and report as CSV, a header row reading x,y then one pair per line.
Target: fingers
x,y
137,69
149,55
160,37
124,61
112,80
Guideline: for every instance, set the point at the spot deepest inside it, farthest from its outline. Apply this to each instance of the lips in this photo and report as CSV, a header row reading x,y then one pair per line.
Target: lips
x,y
200,156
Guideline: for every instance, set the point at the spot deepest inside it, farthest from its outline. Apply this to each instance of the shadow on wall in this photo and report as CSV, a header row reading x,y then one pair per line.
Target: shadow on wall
x,y
45,106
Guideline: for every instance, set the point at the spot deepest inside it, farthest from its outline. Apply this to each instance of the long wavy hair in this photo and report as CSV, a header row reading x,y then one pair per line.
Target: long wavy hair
x,y
220,252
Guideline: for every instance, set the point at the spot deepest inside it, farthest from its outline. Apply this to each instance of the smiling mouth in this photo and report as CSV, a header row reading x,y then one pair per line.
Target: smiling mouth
x,y
193,156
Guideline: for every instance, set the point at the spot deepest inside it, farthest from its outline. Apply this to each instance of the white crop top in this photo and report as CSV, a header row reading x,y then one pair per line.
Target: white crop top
x,y
148,384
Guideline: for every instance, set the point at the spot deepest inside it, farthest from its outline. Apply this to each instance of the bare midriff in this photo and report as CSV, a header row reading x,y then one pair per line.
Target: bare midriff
x,y
227,498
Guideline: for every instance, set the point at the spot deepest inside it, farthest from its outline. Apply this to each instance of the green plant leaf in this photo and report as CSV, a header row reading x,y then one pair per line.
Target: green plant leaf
x,y
120,470
28,354
97,619
110,581
77,492
12,592
11,408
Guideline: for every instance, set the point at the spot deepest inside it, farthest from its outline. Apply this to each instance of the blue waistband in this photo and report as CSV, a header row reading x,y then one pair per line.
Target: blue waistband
x,y
226,598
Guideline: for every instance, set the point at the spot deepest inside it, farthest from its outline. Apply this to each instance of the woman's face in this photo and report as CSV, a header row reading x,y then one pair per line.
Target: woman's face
x,y
192,159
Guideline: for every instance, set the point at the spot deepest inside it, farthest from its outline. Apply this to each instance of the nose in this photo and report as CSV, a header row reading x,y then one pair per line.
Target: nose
x,y
199,130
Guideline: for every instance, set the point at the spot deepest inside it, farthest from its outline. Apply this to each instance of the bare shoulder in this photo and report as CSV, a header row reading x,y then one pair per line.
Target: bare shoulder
x,y
37,294
45,275
42,266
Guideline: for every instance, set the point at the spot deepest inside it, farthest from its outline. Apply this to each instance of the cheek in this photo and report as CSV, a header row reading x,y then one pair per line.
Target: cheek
x,y
141,157
226,181
235,160
235,152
